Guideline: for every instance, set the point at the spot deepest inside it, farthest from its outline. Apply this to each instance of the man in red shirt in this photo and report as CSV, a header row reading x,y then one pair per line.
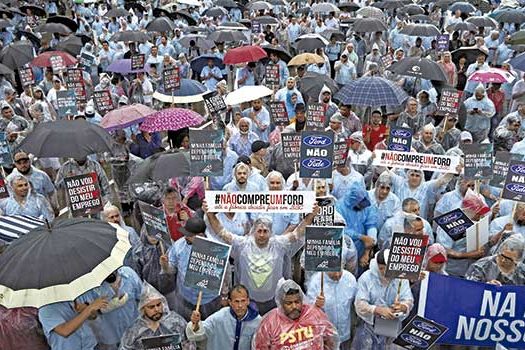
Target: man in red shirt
x,y
375,132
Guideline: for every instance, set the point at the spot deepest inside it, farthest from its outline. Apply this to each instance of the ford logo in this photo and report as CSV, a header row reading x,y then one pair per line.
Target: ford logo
x,y
457,231
516,188
317,141
450,217
518,169
316,163
401,133
400,148
409,338
427,327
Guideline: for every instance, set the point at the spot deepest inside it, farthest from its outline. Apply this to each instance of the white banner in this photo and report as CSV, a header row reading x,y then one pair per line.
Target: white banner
x,y
261,202
418,161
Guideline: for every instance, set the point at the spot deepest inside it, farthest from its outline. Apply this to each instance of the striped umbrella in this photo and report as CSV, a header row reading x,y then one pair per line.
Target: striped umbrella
x,y
171,119
371,91
12,227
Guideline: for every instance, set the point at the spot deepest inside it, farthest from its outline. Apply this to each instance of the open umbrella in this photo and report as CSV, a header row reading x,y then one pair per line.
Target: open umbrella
x,y
412,9
227,36
4,23
264,20
244,54
420,29
471,53
482,21
123,66
64,138
215,12
134,5
184,16
278,50
17,54
72,45
247,94
117,12
13,227
226,3
389,4
130,35
305,59
60,262
509,16
68,22
193,30
324,7
125,116
310,42
518,38
518,62
419,67
160,24
34,10
28,37
232,26
369,25
259,6
419,18
492,75
349,6
312,83
371,91
198,63
370,12
161,167
190,91
53,28
5,70
462,26
464,7
171,119
44,59
337,34
201,41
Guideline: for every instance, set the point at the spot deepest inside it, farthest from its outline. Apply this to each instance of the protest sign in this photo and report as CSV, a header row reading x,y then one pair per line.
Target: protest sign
x,y
449,102
326,212
155,221
291,143
87,60
137,61
514,188
83,193
162,342
478,161
420,334
455,223
387,60
500,167
103,101
272,76
261,202
171,79
400,139
323,248
214,102
6,158
340,154
482,314
478,234
57,64
406,256
75,82
278,113
66,103
256,26
442,42
317,153
3,189
418,161
315,116
206,152
26,76
207,265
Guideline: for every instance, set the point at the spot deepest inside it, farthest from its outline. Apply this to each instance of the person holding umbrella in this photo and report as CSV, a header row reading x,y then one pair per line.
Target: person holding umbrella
x,y
211,75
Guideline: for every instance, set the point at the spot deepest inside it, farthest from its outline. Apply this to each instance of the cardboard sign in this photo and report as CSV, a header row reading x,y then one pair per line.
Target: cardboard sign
x,y
261,202
66,103
400,139
514,188
326,212
418,161
291,143
4,193
206,152
26,76
214,102
478,234
449,102
256,26
162,342
406,256
6,158
315,116
478,161
207,265
155,221
340,154
278,113
317,153
500,167
455,223
103,101
87,60
83,192
171,79
420,334
57,64
75,82
137,61
272,76
442,42
323,248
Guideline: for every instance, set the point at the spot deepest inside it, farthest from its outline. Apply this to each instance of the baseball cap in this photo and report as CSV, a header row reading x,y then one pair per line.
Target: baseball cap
x,y
258,145
465,135
193,226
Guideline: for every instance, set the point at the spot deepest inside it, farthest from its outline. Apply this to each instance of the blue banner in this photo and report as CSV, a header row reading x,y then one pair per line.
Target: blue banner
x,y
476,314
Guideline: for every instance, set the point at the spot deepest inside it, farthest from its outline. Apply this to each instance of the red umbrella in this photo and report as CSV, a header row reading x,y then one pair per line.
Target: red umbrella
x,y
44,59
171,119
244,54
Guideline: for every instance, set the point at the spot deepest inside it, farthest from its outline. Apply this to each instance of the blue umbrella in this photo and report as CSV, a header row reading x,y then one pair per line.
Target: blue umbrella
x,y
123,66
188,87
518,62
197,64
371,91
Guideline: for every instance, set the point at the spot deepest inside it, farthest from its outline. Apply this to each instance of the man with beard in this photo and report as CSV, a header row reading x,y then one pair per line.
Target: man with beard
x,y
285,95
155,320
25,202
295,324
241,174
260,118
329,107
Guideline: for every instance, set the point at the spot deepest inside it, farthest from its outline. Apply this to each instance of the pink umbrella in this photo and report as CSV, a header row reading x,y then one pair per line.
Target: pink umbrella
x,y
171,119
492,75
125,116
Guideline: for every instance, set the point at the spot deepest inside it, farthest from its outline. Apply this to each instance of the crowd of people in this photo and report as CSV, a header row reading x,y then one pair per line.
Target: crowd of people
x,y
268,300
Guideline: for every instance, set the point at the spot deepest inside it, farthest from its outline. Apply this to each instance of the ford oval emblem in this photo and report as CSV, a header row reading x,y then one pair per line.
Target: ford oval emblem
x,y
400,148
427,327
317,141
518,169
401,133
516,188
450,217
409,338
316,163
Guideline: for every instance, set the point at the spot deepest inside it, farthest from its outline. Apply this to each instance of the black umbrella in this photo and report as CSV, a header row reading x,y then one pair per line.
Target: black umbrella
x,y
232,26
159,12
29,36
226,36
116,12
5,70
17,54
442,3
226,3
161,167
134,5
482,21
130,35
183,15
349,6
419,68
310,43
311,84
412,9
303,11
462,26
215,12
85,39
35,10
201,41
53,28
4,24
329,33
6,13
419,18
198,63
71,24
72,45
60,262
469,52
279,51
160,24
369,25
464,7
267,20
420,30
509,16
80,138
389,4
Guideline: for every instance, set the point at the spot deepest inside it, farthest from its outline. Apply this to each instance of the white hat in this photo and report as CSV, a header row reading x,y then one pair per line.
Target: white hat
x,y
465,135
375,46
90,109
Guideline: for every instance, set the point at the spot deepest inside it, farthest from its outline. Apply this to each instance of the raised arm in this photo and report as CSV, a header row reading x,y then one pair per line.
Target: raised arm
x,y
216,225
298,232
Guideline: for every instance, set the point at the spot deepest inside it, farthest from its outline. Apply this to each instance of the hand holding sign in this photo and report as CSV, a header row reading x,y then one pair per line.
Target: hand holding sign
x,y
195,319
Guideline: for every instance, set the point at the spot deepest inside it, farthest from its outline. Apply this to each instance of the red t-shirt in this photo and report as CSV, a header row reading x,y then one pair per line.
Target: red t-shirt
x,y
376,136
174,223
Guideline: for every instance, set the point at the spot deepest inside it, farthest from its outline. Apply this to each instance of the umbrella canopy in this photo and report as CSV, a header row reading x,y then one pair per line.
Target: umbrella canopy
x,y
27,36
259,6
171,119
371,91
44,59
193,30
244,54
160,24
349,6
123,66
201,41
125,116
482,21
279,51
312,83
60,262
13,227
184,16
419,18
232,26
267,20
34,10
134,5
68,22
464,7
370,12
4,23
53,28
471,53
329,33
130,35
310,42
117,12
226,3
462,26
190,91
492,75
17,54
227,36
247,94
518,38
518,62
305,58
198,63
509,16
420,30
389,4
82,139
72,45
369,25
324,7
215,12
161,167
5,70
419,68
412,9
